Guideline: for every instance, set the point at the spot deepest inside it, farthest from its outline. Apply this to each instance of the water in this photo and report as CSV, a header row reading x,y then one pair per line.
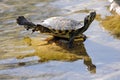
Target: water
x,y
102,49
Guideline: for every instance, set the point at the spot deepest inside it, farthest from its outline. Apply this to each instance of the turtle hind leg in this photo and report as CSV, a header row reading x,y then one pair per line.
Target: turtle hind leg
x,y
21,20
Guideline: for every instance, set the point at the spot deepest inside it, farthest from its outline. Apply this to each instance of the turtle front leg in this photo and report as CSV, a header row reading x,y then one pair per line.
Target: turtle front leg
x,y
70,44
71,40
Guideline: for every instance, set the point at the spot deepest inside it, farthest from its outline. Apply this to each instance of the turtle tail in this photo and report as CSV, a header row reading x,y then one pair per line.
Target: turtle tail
x,y
21,20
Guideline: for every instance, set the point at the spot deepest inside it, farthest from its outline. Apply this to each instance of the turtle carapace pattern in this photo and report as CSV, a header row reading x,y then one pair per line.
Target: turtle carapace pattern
x,y
60,26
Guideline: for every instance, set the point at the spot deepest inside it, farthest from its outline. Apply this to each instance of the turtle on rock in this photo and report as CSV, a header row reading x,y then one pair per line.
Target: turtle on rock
x,y
60,26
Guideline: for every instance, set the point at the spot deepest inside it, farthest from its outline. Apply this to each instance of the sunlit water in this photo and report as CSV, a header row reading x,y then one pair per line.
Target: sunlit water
x,y
101,47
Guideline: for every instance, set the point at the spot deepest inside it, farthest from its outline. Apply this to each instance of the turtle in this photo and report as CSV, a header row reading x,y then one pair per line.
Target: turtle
x,y
61,27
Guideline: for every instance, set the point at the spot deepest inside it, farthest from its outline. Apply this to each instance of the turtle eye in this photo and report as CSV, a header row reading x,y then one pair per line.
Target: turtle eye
x,y
89,18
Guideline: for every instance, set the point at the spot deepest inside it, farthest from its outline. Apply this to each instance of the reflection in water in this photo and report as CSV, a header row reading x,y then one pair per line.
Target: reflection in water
x,y
57,50
16,65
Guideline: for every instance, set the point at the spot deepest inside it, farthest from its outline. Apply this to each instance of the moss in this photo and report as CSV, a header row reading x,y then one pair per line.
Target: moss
x,y
98,17
112,23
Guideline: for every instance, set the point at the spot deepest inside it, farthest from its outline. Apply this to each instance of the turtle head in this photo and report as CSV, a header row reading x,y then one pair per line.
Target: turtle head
x,y
89,18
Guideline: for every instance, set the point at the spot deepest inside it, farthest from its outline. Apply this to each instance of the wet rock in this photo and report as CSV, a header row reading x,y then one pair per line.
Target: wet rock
x,y
115,6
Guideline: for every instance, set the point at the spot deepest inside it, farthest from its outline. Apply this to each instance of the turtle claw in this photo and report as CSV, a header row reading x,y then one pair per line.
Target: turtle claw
x,y
33,31
84,37
26,27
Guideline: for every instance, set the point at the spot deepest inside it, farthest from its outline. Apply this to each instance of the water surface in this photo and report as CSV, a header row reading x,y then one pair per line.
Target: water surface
x,y
101,47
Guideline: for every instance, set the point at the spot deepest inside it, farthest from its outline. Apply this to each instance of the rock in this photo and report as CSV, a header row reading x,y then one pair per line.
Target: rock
x,y
115,6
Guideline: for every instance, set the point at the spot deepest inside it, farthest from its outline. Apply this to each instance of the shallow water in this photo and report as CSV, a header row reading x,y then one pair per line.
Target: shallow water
x,y
101,47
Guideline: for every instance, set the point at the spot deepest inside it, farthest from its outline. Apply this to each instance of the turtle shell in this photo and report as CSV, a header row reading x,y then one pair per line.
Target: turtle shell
x,y
61,23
